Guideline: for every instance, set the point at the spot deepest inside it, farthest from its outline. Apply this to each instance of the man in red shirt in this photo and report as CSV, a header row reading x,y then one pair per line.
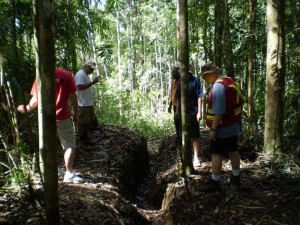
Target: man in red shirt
x,y
65,90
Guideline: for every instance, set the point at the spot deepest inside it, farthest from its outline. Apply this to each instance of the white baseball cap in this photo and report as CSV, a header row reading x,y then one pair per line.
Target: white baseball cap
x,y
92,63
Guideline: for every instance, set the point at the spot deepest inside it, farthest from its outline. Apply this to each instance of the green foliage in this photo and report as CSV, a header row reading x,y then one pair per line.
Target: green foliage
x,y
292,113
252,136
132,111
287,166
14,165
137,86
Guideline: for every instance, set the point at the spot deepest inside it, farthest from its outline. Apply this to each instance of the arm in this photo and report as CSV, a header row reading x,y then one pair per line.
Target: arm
x,y
74,103
199,114
200,95
178,97
218,108
213,129
85,86
33,103
170,106
172,93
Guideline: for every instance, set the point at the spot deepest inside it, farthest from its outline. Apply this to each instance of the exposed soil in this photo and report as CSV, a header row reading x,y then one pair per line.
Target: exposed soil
x,y
119,188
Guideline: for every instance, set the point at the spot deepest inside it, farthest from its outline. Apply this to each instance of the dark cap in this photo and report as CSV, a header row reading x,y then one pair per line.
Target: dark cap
x,y
175,72
209,67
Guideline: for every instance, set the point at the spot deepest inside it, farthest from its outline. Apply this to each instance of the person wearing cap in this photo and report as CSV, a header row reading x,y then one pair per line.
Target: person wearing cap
x,y
65,91
222,139
86,115
196,96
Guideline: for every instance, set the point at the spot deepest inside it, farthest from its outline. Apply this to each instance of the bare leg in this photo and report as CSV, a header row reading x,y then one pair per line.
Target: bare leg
x,y
235,160
216,161
214,183
196,147
69,159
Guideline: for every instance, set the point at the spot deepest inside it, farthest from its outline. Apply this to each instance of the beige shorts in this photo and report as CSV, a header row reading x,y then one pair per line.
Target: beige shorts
x,y
86,114
65,131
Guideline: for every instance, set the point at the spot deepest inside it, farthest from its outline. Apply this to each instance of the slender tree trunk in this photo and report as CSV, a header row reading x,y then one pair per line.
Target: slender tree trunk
x,y
119,60
10,115
227,46
183,58
70,42
207,50
250,103
45,53
169,83
195,40
17,75
275,76
161,80
219,22
130,47
156,68
119,51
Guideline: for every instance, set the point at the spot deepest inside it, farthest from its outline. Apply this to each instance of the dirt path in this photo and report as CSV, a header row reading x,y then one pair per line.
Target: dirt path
x,y
109,196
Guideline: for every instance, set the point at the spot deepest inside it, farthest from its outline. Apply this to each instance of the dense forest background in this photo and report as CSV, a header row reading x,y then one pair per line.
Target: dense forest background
x,y
135,44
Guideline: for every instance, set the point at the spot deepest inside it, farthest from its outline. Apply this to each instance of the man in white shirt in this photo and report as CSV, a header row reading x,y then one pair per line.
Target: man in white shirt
x,y
84,85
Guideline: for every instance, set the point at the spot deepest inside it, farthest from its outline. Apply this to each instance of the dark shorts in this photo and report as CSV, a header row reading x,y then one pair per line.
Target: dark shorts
x,y
86,114
195,130
223,145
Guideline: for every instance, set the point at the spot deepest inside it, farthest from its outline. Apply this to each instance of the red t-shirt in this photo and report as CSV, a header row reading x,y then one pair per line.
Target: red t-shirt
x,y
65,85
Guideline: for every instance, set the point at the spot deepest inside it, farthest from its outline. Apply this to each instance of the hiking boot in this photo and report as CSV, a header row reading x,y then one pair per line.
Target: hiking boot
x,y
235,182
72,178
211,185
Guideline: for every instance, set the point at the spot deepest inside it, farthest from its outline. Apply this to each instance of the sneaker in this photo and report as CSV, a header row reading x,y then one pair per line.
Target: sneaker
x,y
211,185
235,182
72,178
196,163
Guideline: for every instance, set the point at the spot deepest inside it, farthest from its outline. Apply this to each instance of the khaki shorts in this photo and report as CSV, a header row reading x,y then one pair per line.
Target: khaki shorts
x,y
86,114
65,131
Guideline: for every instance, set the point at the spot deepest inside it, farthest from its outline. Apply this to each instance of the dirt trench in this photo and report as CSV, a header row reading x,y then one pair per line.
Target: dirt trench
x,y
130,181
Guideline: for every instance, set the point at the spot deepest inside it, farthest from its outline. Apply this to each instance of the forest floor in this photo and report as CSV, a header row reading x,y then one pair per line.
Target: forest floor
x,y
265,197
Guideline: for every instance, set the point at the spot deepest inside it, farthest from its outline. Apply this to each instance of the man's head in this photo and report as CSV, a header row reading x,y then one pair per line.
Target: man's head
x,y
90,65
210,72
175,73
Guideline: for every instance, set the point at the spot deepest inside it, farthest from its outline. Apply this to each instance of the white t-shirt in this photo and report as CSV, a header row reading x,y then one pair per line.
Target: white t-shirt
x,y
85,97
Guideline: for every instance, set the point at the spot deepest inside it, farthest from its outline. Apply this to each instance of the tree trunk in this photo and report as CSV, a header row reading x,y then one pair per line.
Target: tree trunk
x,y
219,22
275,76
45,75
250,103
119,59
119,51
183,58
71,46
227,46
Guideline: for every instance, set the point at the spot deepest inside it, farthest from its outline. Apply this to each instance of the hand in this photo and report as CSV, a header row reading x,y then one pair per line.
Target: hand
x,y
199,116
21,108
212,135
75,118
96,80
